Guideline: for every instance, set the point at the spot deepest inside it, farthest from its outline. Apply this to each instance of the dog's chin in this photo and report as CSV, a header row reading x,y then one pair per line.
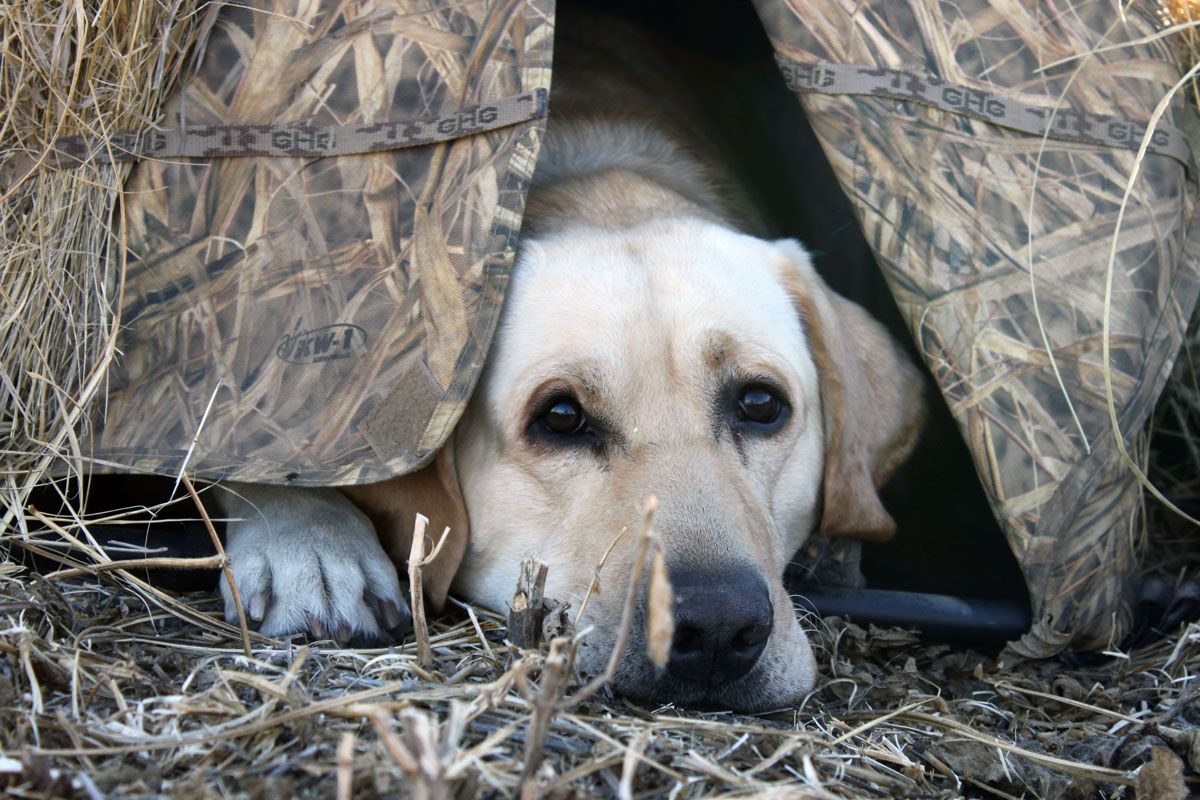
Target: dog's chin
x,y
766,687
747,695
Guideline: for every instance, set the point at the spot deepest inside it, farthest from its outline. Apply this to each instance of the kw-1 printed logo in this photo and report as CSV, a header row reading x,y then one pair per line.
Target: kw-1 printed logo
x,y
327,343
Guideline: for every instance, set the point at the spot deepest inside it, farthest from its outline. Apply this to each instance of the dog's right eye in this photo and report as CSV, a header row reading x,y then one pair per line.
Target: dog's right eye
x,y
564,417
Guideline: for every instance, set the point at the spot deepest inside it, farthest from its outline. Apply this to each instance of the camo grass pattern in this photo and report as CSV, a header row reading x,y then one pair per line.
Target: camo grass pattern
x,y
322,320
995,244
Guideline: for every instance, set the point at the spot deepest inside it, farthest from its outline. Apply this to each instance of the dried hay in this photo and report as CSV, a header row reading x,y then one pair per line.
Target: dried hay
x,y
69,69
102,693
111,687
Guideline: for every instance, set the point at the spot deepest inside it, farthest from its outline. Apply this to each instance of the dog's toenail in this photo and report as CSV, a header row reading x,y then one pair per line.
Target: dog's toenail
x,y
391,615
258,606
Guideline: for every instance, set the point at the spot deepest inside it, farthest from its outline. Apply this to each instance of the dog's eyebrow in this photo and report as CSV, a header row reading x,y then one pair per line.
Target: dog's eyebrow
x,y
717,347
583,377
732,360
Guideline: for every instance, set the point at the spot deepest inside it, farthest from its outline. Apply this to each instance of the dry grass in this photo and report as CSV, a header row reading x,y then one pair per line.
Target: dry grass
x,y
68,69
102,693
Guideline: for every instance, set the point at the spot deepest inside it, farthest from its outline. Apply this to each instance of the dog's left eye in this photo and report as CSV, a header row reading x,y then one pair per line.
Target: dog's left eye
x,y
760,407
560,421
564,417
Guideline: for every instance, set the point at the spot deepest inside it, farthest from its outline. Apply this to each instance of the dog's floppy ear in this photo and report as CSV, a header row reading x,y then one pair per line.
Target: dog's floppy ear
x,y
433,491
871,400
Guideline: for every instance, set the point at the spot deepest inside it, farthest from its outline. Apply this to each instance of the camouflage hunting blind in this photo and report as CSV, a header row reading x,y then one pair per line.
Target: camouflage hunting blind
x,y
319,236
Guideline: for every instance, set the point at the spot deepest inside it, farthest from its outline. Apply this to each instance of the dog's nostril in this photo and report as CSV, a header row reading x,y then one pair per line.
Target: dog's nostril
x,y
751,637
687,640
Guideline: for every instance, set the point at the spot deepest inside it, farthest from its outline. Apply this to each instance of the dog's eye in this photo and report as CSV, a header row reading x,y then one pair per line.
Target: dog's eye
x,y
759,405
564,417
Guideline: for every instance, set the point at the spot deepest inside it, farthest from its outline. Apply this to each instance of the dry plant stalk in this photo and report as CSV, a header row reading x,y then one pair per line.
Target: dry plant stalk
x,y
417,560
649,506
630,764
660,608
164,562
594,586
551,698
395,748
225,566
528,607
1184,17
418,752
547,705
416,594
345,766
421,737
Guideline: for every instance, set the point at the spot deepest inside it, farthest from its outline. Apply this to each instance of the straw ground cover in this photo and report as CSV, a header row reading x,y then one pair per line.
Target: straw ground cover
x,y
108,691
110,687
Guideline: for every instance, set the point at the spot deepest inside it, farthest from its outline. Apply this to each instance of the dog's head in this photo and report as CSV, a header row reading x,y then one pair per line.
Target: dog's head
x,y
713,370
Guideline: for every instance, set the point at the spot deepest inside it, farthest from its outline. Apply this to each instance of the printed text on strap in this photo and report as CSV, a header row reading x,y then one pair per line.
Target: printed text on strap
x,y
1064,123
287,140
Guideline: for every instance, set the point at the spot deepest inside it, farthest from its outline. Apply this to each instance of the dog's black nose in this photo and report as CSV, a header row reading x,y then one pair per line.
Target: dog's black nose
x,y
722,623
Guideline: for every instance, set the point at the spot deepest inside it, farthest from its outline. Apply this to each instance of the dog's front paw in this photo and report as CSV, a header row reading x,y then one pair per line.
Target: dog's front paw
x,y
308,561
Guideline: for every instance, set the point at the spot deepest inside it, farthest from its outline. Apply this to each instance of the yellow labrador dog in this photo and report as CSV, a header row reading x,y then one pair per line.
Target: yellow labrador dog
x,y
648,346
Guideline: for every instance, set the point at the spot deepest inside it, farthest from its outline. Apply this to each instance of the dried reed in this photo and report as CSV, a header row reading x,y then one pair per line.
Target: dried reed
x,y
87,68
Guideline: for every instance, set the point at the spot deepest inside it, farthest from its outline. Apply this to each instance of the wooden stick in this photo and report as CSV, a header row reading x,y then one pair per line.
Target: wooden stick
x,y
528,607
416,558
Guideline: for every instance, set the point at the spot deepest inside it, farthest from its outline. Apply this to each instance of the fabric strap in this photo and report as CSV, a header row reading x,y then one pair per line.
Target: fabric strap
x,y
1068,124
289,140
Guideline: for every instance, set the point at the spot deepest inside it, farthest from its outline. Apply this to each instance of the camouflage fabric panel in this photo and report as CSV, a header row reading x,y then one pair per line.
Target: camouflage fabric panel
x,y
996,245
312,320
